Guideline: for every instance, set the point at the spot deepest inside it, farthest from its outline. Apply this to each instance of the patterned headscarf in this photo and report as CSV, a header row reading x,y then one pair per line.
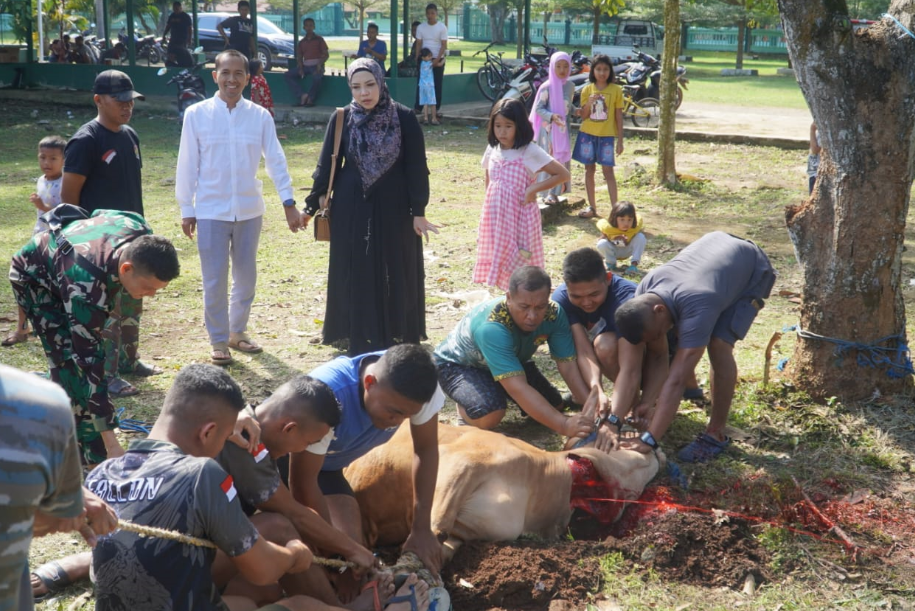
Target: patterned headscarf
x,y
561,149
374,135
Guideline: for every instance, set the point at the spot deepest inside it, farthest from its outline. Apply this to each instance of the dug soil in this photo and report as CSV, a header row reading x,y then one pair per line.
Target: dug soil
x,y
698,549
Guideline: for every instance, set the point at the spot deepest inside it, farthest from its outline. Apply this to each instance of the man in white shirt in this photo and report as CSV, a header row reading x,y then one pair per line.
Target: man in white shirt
x,y
432,35
217,189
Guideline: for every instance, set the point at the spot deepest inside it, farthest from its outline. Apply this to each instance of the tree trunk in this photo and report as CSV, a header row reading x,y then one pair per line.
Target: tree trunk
x,y
667,163
849,235
520,46
497,23
595,37
741,33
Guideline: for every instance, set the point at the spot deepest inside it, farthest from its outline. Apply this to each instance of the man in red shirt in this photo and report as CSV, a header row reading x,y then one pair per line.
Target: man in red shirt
x,y
310,57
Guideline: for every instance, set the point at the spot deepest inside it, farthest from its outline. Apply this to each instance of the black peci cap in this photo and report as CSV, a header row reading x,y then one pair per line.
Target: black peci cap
x,y
116,83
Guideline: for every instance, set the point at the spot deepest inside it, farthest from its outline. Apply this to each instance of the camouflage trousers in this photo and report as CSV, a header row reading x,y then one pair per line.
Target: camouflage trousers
x,y
122,335
52,327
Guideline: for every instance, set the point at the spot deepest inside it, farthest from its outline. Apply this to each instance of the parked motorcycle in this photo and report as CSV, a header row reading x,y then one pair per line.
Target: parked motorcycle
x,y
646,75
527,78
148,48
191,88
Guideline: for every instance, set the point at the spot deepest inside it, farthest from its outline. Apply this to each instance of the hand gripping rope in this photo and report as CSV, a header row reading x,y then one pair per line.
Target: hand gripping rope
x,y
161,533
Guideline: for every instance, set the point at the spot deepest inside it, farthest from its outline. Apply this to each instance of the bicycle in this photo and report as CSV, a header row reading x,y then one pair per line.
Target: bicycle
x,y
494,76
645,113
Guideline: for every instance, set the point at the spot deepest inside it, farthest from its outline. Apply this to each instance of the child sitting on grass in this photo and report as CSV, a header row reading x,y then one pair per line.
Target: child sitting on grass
x,y
622,238
46,197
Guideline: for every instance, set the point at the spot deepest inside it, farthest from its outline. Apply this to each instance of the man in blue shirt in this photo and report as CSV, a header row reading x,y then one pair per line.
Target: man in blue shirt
x,y
590,297
487,358
377,392
372,47
708,295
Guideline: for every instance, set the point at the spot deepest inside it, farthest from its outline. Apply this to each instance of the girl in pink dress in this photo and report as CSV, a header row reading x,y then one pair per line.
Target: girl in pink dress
x,y
510,235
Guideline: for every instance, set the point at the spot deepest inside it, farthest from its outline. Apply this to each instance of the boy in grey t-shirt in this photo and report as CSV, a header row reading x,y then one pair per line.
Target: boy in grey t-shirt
x,y
709,294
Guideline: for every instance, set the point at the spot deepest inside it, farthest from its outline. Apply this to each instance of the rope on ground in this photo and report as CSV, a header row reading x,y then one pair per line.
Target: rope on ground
x,y
161,533
899,23
890,352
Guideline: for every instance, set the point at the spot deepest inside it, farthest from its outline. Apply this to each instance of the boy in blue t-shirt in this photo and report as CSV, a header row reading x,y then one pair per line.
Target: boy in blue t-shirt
x,y
377,392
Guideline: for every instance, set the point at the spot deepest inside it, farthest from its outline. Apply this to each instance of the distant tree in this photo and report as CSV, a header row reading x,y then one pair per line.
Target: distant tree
x,y
597,9
448,7
362,6
305,6
498,12
867,9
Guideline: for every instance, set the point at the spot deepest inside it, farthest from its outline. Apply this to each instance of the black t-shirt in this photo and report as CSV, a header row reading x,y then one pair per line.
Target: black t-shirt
x,y
179,25
111,163
241,31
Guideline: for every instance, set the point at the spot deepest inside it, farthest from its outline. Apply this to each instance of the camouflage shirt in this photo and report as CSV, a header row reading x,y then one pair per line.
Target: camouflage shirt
x,y
64,279
39,470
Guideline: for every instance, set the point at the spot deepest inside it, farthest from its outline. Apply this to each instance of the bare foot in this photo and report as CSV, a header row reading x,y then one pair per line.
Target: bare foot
x,y
414,588
380,585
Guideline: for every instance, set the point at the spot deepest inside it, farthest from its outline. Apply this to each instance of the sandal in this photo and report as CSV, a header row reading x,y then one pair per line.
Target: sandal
x,y
439,599
376,599
405,598
551,200
587,213
144,371
15,338
53,577
120,388
435,122
243,343
703,449
220,355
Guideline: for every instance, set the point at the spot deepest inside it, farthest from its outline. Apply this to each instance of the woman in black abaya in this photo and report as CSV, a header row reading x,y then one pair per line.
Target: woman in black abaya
x,y
376,281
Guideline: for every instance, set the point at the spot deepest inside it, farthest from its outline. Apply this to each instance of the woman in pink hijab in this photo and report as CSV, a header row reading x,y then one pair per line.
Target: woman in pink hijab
x,y
550,118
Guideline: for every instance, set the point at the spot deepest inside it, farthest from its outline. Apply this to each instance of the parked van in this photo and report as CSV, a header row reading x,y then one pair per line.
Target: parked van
x,y
646,35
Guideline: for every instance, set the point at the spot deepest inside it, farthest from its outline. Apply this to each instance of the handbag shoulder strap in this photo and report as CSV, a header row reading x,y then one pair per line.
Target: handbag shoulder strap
x,y
338,136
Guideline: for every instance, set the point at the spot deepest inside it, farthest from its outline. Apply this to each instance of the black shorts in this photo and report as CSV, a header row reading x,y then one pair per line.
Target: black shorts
x,y
330,482
479,394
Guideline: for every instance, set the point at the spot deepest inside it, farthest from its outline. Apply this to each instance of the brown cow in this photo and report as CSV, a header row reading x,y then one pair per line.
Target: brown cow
x,y
490,487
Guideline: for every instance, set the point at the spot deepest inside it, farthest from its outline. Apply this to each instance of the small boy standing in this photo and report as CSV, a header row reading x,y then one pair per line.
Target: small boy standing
x,y
46,197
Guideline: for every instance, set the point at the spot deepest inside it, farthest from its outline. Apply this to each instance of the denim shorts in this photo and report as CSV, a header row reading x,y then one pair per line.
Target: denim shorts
x,y
591,150
479,394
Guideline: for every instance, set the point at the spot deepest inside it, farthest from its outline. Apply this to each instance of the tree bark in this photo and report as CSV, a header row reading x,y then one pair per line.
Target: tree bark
x,y
848,236
667,163
741,34
497,23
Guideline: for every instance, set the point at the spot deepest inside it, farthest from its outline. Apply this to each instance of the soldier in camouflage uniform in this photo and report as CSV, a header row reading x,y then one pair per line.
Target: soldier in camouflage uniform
x,y
68,294
40,491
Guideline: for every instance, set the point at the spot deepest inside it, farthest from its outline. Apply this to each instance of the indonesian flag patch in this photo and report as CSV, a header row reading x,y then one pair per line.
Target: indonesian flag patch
x,y
228,486
109,156
260,453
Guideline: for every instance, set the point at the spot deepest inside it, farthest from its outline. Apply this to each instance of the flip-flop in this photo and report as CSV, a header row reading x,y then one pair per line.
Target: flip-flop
x,y
435,122
587,213
244,344
52,576
439,599
405,598
144,371
220,360
120,388
693,394
376,600
703,449
15,338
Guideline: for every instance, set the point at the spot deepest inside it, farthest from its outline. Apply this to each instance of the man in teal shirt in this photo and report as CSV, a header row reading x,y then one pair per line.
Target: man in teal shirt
x,y
487,358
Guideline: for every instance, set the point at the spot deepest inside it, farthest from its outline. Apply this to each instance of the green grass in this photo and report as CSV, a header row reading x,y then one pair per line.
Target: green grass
x,y
860,446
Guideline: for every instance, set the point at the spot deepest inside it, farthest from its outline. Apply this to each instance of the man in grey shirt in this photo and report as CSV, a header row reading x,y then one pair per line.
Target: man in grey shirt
x,y
709,295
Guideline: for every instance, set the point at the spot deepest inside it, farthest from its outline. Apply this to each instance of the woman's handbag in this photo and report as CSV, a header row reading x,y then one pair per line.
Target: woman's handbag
x,y
322,218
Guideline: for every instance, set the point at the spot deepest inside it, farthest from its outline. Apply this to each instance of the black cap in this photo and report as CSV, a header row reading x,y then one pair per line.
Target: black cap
x,y
116,83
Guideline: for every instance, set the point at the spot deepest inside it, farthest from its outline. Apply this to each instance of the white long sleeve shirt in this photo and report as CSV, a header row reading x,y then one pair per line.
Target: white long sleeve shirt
x,y
218,159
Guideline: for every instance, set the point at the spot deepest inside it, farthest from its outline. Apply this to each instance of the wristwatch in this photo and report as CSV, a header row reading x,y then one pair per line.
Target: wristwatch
x,y
648,439
289,203
615,421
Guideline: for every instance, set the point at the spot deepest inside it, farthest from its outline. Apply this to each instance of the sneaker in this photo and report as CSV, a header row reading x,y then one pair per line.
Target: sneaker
x,y
632,270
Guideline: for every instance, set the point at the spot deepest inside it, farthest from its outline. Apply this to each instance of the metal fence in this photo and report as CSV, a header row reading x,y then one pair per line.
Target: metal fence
x,y
725,39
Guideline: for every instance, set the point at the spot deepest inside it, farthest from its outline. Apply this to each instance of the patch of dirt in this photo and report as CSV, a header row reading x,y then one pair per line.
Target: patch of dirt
x,y
691,548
